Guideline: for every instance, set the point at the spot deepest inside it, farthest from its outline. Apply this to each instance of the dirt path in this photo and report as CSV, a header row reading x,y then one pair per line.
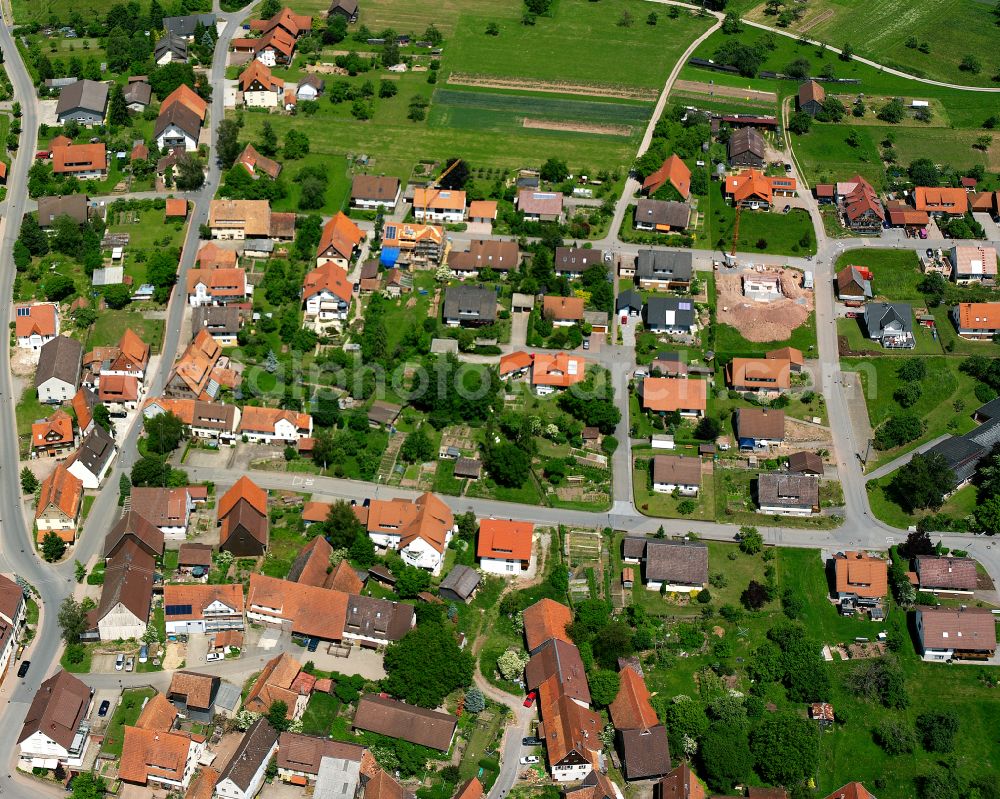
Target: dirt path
x,y
724,91
578,127
521,84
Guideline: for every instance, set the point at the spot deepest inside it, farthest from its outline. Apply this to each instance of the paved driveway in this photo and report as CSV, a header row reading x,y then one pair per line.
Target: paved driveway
x,y
518,329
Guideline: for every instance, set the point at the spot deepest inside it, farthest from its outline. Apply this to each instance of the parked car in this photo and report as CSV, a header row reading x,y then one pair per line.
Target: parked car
x,y
102,711
313,645
119,663
923,233
212,656
529,700
586,343
531,741
786,209
23,668
930,253
528,759
130,663
143,653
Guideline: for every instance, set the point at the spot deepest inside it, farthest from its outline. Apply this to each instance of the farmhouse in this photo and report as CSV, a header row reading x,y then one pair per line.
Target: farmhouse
x,y
243,519
788,494
681,566
571,734
239,219
544,621
640,737
52,437
126,596
746,148
257,165
82,161
938,201
260,88
177,126
675,473
59,503
396,719
863,211
956,633
811,97
202,608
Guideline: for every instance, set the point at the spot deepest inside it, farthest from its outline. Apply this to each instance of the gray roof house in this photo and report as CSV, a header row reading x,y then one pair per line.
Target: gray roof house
x,y
788,494
138,95
662,269
58,373
85,101
681,565
630,302
891,324
170,48
185,26
662,216
460,584
470,305
963,453
746,148
574,261
244,775
91,462
671,315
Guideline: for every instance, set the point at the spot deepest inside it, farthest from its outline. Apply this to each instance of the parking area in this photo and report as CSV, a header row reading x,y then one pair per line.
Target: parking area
x,y
102,695
365,662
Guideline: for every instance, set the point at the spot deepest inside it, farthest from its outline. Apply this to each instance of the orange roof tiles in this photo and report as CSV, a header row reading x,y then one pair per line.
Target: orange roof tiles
x,y
952,201
54,431
631,709
674,171
176,207
148,753
328,277
264,420
133,348
562,308
118,388
224,282
81,407
316,511
748,184
79,158
40,320
669,394
212,256
859,573
439,199
257,72
483,209
770,373
274,683
789,354
853,790
427,518
245,489
341,234
505,539
189,98
199,596
544,620
514,362
559,370
157,714
979,315
63,490
313,611
567,726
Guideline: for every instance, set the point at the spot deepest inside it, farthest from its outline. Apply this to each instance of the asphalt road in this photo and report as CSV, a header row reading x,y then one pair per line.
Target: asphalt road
x,y
53,583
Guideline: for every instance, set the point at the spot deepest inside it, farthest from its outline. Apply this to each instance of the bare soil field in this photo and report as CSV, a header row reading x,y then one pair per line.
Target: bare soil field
x,y
763,321
578,127
700,87
519,84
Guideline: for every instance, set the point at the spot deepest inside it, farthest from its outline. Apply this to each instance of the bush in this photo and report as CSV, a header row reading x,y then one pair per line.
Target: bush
x,y
704,596
937,730
895,737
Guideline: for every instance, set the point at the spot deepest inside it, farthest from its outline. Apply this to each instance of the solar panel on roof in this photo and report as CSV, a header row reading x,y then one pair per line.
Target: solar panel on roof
x,y
178,610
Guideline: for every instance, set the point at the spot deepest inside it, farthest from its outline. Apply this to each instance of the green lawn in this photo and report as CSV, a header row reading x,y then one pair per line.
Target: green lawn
x,y
852,330
952,342
651,503
149,232
780,234
110,326
320,713
29,410
170,560
825,156
959,505
953,28
125,715
896,273
729,341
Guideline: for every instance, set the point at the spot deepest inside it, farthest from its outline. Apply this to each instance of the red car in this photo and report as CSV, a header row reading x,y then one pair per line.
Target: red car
x,y
529,700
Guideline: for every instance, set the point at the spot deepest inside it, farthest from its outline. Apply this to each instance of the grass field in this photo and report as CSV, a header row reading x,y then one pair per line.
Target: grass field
x,y
959,505
729,340
896,272
781,234
952,28
41,10
110,326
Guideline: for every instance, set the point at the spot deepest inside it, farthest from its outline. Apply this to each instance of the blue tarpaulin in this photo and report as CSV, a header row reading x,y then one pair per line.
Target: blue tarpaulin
x,y
389,256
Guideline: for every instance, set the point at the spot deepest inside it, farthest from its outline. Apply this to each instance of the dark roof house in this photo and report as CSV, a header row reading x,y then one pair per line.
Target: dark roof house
x,y
399,720
676,562
470,305
460,584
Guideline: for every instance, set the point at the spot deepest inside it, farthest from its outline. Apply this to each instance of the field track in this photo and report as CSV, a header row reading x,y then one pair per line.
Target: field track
x,y
521,84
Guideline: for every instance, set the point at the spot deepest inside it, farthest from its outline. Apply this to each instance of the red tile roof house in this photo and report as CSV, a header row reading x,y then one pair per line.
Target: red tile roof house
x,y
54,733
946,575
640,737
35,324
419,530
438,205
673,171
563,311
504,546
217,286
203,608
53,437
326,297
82,161
338,241
274,425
